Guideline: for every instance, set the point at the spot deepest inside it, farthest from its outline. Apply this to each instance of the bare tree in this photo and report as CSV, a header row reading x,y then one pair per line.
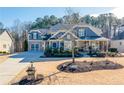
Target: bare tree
x,y
71,17
19,31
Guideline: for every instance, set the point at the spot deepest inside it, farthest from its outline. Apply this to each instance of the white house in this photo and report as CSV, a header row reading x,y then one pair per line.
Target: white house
x,y
6,42
119,44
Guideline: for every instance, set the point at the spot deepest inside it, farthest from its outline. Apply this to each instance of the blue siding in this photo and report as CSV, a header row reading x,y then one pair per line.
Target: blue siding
x,y
89,33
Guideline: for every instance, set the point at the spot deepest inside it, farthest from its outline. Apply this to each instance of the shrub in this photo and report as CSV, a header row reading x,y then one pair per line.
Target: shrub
x,y
4,52
55,50
112,54
112,50
62,55
25,45
48,51
101,54
61,49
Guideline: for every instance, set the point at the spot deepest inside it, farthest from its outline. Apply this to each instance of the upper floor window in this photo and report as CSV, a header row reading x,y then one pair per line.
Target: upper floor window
x,y
34,35
4,46
68,37
81,32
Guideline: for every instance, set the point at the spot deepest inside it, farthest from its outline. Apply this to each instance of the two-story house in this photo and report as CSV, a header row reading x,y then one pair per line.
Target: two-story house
x,y
83,36
6,42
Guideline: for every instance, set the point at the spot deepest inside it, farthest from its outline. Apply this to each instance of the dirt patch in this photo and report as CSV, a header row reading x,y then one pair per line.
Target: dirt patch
x,y
85,66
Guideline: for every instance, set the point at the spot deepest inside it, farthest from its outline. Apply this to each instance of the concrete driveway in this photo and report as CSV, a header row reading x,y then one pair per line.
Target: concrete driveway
x,y
15,64
28,56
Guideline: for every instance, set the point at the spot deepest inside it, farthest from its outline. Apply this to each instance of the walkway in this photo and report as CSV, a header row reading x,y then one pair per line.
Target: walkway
x,y
14,65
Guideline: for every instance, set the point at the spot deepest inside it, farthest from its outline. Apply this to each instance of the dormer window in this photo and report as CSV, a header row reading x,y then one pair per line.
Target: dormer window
x,y
81,32
34,35
68,37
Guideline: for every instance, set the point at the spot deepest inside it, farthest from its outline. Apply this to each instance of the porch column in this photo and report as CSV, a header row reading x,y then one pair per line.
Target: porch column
x,y
45,45
59,45
107,46
104,46
49,43
99,44
77,43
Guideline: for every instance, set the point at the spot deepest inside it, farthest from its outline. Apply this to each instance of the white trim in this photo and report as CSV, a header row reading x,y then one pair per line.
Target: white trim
x,y
34,31
56,33
70,33
87,25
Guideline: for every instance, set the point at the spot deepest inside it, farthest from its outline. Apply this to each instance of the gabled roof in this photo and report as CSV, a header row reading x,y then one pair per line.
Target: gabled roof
x,y
94,29
57,35
1,32
60,29
42,31
60,26
60,34
70,32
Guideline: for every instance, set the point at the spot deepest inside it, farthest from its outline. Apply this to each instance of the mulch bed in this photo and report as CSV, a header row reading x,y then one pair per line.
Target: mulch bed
x,y
88,66
25,81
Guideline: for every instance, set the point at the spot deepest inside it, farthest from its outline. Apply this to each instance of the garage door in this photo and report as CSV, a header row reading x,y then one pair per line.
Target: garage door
x,y
35,47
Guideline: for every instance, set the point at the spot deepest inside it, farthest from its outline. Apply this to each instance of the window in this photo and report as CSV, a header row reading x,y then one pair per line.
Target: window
x,y
68,45
81,32
62,44
34,35
32,45
54,45
4,46
68,37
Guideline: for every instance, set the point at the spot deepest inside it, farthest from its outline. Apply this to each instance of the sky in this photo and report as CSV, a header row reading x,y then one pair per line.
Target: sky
x,y
9,14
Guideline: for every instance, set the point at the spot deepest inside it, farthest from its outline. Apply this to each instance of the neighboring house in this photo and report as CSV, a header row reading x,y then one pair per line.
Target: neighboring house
x,y
62,35
118,40
119,44
6,42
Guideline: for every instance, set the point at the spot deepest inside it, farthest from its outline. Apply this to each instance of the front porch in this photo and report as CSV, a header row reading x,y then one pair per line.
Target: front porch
x,y
82,45
94,45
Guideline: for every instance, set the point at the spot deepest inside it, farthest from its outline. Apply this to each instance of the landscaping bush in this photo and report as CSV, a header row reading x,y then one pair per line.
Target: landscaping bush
x,y
61,49
62,55
55,52
48,51
112,50
101,54
4,52
112,54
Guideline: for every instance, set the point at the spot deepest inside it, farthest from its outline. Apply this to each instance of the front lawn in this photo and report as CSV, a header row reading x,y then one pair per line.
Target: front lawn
x,y
97,77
